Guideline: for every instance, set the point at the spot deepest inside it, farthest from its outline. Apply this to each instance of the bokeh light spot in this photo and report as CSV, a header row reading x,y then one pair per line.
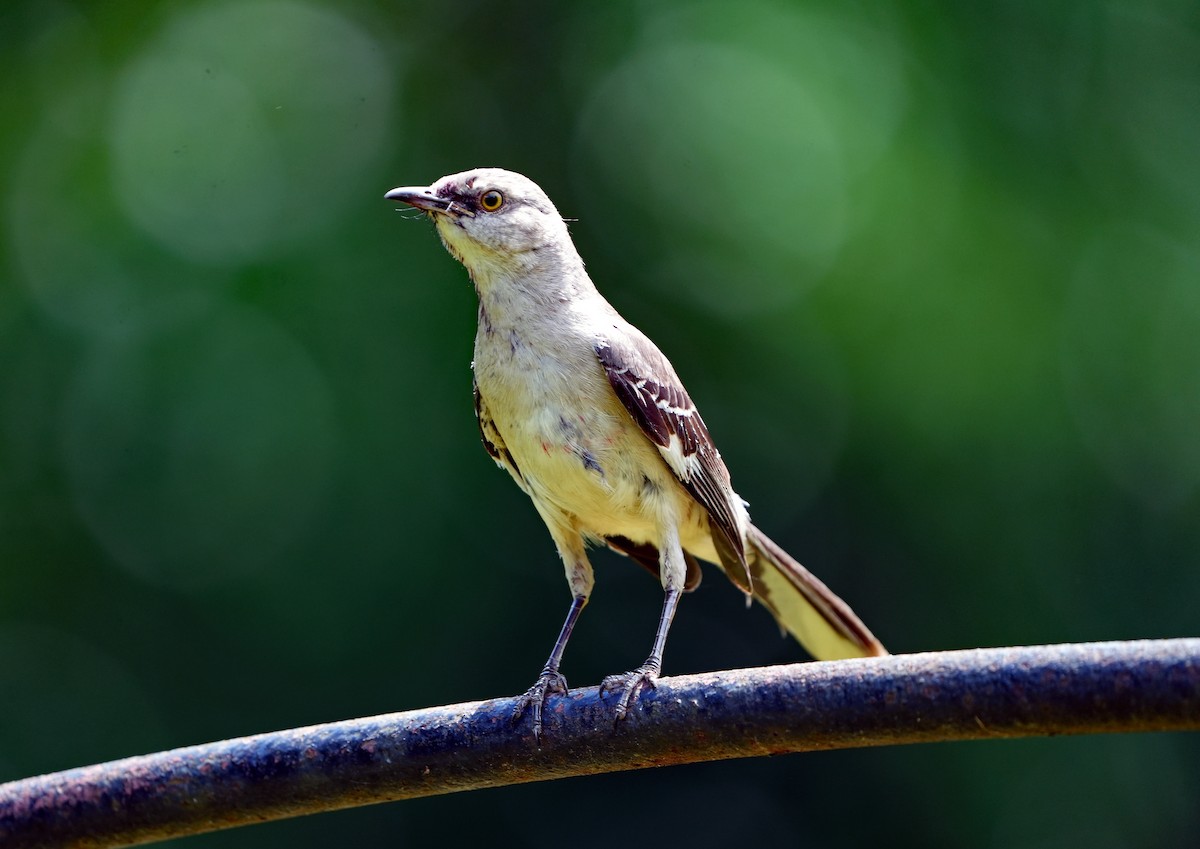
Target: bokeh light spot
x,y
1131,362
195,163
1153,89
226,148
730,147
196,458
739,136
78,259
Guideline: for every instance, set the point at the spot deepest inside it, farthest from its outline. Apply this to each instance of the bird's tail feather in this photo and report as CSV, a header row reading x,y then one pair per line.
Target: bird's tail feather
x,y
823,623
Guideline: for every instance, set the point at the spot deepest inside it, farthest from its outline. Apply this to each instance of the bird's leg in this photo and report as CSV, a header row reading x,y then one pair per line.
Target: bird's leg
x,y
579,577
673,568
551,680
631,684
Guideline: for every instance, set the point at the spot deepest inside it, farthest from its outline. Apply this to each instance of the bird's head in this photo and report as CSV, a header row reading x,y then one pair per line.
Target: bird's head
x,y
490,219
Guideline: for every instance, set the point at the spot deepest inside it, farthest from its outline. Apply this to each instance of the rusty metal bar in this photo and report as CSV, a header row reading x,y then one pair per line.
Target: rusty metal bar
x,y
984,693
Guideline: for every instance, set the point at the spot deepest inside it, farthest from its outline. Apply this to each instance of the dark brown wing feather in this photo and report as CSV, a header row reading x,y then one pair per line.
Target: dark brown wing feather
x,y
646,555
493,443
655,399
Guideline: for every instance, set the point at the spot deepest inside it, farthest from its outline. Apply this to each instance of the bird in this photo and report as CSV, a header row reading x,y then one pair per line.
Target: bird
x,y
592,422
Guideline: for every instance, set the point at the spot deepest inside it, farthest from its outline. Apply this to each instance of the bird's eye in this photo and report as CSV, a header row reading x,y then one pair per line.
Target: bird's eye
x,y
491,200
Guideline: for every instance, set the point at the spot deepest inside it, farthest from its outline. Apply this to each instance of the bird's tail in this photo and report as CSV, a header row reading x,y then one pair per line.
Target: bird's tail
x,y
823,623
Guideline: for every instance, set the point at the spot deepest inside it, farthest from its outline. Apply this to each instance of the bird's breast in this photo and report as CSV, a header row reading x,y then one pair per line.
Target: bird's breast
x,y
577,448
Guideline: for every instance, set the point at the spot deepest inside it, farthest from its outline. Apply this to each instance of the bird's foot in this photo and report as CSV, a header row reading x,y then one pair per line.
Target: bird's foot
x,y
631,685
550,681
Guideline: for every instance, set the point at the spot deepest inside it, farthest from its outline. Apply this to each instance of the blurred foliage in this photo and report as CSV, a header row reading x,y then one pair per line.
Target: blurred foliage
x,y
931,271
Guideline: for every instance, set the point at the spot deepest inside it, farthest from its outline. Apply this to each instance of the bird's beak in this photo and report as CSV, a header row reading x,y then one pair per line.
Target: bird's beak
x,y
422,198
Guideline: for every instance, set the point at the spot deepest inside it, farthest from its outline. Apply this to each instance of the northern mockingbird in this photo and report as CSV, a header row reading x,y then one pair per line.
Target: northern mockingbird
x,y
592,422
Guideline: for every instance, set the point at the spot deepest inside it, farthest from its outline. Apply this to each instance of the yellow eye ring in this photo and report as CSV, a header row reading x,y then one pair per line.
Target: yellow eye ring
x,y
491,200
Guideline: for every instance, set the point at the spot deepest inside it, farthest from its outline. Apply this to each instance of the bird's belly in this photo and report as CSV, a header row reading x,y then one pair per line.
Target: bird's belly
x,y
587,466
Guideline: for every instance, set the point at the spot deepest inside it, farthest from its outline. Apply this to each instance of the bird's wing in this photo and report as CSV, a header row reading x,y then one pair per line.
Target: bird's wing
x,y
493,442
645,554
654,397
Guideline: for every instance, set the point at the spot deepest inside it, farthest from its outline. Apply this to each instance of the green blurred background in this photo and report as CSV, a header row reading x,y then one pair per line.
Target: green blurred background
x,y
930,270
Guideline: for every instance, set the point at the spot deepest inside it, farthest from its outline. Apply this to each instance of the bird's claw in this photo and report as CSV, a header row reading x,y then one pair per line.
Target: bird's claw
x,y
630,685
550,681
